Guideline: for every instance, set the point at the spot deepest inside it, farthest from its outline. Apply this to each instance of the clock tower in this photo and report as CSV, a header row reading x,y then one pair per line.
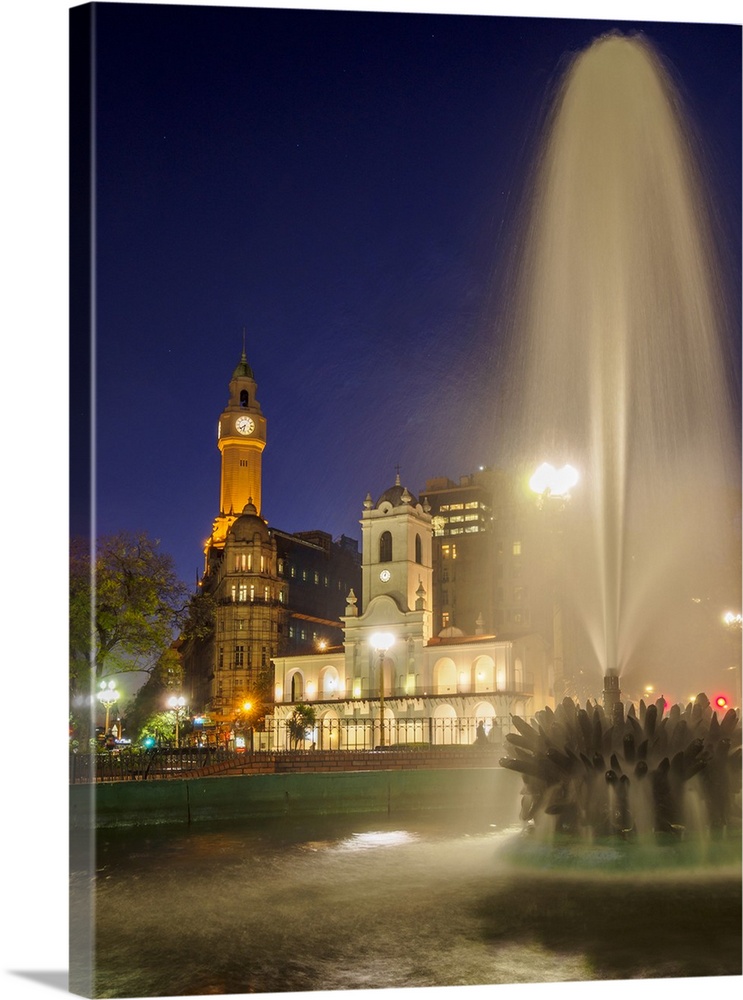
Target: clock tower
x,y
241,438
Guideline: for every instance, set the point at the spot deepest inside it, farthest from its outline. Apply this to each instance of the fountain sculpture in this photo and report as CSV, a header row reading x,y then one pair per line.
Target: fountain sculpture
x,y
600,773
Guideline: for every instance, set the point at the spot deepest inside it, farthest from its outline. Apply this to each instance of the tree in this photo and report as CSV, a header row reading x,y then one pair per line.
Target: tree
x,y
125,604
300,723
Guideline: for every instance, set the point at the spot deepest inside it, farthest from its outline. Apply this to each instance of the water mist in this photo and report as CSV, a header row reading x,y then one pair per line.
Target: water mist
x,y
618,325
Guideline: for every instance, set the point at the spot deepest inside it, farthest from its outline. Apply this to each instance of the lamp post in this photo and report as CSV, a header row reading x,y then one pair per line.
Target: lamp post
x,y
244,720
108,696
382,641
177,705
733,622
552,487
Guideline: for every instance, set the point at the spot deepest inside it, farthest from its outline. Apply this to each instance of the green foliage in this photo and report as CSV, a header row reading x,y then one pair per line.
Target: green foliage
x,y
124,608
300,723
199,620
165,679
125,604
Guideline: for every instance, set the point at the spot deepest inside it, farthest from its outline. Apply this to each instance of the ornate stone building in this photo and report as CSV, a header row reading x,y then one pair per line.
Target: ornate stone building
x,y
394,681
272,592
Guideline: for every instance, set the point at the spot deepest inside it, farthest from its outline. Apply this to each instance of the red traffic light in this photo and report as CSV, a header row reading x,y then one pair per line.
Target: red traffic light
x,y
720,701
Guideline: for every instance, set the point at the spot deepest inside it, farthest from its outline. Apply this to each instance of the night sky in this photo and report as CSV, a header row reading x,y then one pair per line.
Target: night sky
x,y
343,185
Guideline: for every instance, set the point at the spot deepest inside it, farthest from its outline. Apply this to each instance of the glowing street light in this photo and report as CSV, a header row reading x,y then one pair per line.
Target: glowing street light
x,y
108,696
382,642
548,481
177,705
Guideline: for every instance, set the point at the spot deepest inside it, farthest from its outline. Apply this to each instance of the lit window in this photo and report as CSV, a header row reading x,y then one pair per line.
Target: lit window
x,y
517,548
243,592
252,592
265,594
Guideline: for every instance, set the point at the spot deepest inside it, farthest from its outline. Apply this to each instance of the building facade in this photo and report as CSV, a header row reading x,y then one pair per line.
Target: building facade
x,y
394,681
270,592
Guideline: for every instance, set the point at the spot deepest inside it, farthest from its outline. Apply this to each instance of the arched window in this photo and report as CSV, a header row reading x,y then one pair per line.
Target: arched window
x,y
418,549
244,398
385,547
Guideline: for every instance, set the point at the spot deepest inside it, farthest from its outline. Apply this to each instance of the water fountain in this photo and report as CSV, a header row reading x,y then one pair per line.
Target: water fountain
x,y
618,327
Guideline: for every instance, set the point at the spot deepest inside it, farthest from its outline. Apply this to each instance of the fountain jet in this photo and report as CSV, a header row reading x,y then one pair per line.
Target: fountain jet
x,y
619,326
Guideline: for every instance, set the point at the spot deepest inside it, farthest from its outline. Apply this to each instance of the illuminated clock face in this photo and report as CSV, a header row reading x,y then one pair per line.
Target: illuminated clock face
x,y
385,575
244,425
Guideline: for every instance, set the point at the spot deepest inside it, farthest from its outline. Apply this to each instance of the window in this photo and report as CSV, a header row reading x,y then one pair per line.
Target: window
x,y
385,547
244,397
242,594
240,624
221,657
239,655
281,597
252,592
517,548
265,594
445,619
418,549
263,564
317,577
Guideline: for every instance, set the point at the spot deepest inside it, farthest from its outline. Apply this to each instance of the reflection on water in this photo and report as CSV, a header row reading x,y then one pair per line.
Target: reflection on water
x,y
347,903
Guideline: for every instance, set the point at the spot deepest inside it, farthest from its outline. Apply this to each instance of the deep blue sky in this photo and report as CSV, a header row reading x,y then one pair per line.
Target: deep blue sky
x,y
342,185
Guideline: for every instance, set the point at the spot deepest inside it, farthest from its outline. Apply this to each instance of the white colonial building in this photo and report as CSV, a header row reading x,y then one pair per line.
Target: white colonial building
x,y
393,681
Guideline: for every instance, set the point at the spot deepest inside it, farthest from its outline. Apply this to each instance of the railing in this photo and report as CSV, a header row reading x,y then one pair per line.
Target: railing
x,y
159,765
137,764
365,734
335,736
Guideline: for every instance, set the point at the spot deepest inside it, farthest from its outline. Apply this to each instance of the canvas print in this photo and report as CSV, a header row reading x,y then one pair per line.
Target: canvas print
x,y
405,604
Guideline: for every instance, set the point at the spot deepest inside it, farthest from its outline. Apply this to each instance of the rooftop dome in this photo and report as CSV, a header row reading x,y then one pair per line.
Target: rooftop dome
x,y
248,523
397,495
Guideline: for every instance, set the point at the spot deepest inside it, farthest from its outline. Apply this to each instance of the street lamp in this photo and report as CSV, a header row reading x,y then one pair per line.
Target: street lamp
x,y
108,696
177,705
549,482
381,641
243,721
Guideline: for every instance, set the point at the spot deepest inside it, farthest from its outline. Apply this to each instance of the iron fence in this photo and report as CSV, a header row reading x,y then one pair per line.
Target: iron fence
x,y
366,734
